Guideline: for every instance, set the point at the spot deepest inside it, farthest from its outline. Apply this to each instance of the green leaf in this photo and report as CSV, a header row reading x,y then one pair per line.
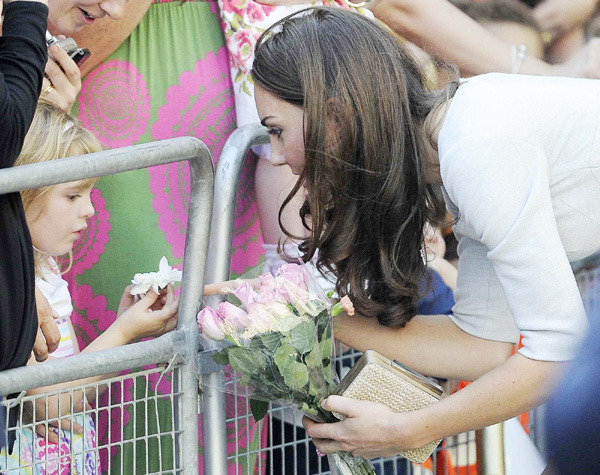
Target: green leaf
x,y
306,409
271,340
238,76
314,358
303,336
295,375
328,374
245,88
285,355
246,360
221,357
326,349
258,408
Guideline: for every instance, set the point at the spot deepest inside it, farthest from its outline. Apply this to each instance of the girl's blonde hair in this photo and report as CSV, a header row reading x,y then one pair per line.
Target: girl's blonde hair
x,y
53,134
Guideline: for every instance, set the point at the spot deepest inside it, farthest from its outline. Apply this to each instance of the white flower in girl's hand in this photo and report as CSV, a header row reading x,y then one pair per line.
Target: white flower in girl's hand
x,y
166,275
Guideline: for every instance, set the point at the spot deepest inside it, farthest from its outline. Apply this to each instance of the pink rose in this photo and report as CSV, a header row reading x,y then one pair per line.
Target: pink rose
x,y
259,316
267,282
296,274
209,322
265,297
246,294
347,305
236,316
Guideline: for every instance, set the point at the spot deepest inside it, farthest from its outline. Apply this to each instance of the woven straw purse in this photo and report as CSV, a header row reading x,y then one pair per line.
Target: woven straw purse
x,y
378,379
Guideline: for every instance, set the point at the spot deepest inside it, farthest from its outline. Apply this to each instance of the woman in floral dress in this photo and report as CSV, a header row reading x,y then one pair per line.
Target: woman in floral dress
x,y
169,78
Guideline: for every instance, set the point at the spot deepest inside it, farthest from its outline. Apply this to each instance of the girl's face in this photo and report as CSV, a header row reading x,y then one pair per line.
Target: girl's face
x,y
285,124
69,16
56,223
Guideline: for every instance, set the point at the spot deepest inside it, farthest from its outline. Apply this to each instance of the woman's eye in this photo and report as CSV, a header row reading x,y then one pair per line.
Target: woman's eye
x,y
275,131
72,197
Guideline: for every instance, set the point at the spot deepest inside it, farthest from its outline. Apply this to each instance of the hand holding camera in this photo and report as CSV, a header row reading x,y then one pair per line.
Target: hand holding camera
x,y
62,81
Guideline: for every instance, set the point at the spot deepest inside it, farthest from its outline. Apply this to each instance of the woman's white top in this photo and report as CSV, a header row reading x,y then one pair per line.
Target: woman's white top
x,y
520,164
56,291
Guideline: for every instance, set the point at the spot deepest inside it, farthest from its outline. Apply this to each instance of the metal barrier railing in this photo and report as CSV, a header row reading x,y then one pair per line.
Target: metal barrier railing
x,y
178,349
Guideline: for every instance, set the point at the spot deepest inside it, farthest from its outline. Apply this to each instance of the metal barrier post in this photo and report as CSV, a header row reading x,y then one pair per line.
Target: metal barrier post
x,y
184,341
219,258
490,450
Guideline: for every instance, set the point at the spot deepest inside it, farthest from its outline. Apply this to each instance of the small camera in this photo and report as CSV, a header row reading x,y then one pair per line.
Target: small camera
x,y
77,54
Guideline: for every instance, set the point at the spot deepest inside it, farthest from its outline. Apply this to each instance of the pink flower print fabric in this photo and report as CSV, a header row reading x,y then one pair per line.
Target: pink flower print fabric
x,y
244,21
75,454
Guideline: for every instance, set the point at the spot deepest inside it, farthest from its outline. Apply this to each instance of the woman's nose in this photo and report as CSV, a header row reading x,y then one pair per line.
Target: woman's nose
x,y
114,8
277,158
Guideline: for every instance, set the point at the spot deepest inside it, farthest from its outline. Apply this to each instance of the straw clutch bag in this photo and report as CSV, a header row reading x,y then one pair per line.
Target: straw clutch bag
x,y
378,379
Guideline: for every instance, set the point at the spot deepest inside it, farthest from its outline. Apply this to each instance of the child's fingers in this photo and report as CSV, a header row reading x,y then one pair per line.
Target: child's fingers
x,y
66,423
171,325
220,288
170,297
148,300
81,404
52,435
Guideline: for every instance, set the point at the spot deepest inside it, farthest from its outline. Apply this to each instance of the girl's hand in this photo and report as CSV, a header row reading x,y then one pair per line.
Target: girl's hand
x,y
63,79
150,316
370,429
225,288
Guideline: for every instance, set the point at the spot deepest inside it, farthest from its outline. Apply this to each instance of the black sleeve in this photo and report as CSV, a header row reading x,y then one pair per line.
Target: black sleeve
x,y
23,55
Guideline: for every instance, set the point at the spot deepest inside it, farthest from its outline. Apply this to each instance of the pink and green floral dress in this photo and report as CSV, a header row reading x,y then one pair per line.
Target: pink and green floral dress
x,y
244,21
170,78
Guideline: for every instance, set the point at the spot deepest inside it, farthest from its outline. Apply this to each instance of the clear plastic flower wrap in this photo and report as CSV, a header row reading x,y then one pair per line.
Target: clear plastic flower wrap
x,y
276,345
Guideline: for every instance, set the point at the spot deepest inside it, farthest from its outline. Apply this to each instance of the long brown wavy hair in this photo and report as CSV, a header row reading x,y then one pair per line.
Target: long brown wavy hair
x,y
366,106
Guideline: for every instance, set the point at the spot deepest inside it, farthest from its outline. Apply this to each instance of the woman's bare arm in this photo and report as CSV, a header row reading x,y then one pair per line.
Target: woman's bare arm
x,y
430,344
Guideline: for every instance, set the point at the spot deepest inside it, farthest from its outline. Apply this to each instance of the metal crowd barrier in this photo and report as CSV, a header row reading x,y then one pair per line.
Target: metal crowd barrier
x,y
172,448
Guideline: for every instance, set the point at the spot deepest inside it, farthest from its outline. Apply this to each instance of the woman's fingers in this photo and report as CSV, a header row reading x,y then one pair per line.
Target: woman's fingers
x,y
63,79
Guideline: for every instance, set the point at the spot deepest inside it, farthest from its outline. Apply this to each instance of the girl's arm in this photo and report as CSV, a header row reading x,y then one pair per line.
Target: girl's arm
x,y
151,316
106,35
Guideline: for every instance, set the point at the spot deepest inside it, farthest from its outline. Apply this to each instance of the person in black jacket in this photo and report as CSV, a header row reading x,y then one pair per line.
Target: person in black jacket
x,y
23,57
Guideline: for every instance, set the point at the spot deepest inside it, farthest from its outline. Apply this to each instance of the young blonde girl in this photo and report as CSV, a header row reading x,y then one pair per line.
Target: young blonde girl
x,y
57,216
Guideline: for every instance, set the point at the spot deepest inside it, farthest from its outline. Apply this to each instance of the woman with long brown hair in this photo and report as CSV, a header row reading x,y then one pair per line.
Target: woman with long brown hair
x,y
349,112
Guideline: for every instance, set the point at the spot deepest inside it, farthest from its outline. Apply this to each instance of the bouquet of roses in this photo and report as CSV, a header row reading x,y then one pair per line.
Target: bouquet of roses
x,y
278,347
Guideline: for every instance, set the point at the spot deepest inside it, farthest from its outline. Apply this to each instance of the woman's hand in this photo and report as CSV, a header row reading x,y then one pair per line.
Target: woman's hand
x,y
560,16
48,335
370,429
63,79
150,316
585,63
